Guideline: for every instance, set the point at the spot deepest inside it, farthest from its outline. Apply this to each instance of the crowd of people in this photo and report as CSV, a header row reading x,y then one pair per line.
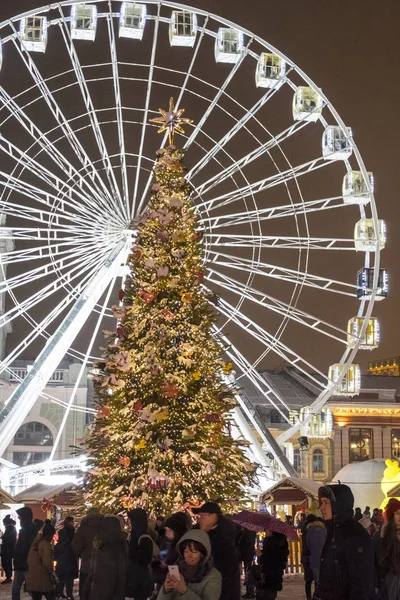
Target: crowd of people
x,y
346,555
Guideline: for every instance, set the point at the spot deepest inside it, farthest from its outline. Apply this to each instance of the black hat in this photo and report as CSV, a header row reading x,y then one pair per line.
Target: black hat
x,y
209,507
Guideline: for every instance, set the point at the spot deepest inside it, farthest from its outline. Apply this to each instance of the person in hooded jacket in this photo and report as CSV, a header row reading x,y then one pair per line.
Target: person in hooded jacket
x,y
199,580
26,535
314,536
272,560
224,549
38,523
346,569
67,561
108,563
82,543
387,554
175,527
8,543
40,564
139,584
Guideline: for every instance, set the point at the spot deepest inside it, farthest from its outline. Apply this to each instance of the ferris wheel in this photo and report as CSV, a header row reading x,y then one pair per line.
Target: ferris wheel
x,y
291,229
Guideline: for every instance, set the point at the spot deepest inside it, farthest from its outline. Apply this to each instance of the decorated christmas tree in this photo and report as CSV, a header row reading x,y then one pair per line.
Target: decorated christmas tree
x,y
161,439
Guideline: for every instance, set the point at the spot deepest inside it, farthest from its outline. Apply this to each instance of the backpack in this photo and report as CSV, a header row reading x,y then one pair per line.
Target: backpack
x,y
156,550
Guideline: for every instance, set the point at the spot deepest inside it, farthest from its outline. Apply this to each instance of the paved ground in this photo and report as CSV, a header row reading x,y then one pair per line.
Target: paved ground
x,y
293,589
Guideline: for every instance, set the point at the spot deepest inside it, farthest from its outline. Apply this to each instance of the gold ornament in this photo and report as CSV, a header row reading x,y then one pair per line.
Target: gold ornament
x,y
142,444
171,121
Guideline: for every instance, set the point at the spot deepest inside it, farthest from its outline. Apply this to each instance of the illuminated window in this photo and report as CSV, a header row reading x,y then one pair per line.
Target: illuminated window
x,y
318,461
396,443
360,444
297,460
33,434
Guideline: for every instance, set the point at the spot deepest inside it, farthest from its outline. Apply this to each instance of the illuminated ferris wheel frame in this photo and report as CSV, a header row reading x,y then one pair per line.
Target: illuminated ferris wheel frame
x,y
79,218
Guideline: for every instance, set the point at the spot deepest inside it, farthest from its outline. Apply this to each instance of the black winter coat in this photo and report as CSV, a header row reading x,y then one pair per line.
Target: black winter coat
x,y
273,560
247,545
26,535
8,541
67,561
226,558
347,564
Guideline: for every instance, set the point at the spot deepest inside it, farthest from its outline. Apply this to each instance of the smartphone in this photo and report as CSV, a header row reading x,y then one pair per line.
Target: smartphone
x,y
174,571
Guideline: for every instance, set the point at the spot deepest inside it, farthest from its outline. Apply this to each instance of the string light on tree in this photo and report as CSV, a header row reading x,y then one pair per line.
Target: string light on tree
x,y
161,439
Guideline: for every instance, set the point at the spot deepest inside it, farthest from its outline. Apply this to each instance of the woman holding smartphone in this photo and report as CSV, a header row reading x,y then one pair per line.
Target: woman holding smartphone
x,y
194,576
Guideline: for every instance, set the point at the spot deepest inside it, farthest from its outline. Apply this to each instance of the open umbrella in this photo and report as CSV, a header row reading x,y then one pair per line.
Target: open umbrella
x,y
257,521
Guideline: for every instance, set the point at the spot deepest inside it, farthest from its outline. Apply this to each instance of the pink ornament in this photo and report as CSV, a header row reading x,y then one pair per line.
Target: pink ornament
x,y
162,272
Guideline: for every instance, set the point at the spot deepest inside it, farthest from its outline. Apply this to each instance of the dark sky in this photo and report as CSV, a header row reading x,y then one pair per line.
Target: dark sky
x,y
351,49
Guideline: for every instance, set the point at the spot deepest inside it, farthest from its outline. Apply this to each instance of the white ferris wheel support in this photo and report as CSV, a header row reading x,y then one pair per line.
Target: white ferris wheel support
x,y
78,156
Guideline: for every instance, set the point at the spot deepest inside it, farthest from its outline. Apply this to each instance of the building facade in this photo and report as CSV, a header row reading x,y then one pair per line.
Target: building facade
x,y
34,440
367,426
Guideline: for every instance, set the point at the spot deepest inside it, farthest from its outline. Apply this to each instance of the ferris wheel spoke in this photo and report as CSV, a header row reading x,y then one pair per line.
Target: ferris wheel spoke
x,y
199,126
50,250
271,343
118,110
92,114
177,105
39,328
247,159
239,124
146,109
88,267
293,276
43,197
293,243
273,212
66,194
253,155
27,277
40,139
278,306
280,178
60,118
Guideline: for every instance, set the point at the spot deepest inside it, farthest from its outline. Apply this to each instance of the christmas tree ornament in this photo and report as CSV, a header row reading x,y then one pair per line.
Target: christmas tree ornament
x,y
125,461
148,297
137,254
170,390
137,406
175,202
196,375
227,368
162,272
141,445
198,235
162,235
212,418
103,411
171,120
168,314
149,262
187,297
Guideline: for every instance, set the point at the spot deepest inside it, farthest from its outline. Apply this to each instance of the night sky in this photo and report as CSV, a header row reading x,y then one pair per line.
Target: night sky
x,y
350,49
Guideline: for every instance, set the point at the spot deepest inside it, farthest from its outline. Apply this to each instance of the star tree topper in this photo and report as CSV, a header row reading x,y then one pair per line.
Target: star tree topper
x,y
171,121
